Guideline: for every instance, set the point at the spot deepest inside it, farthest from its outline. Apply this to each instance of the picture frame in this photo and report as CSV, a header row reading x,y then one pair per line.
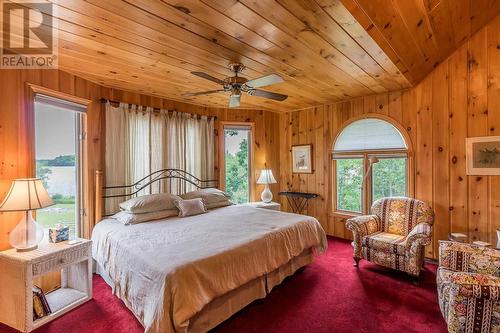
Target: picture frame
x,y
483,155
302,160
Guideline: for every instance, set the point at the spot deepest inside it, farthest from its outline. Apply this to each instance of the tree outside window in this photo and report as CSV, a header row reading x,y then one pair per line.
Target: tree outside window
x,y
357,183
237,165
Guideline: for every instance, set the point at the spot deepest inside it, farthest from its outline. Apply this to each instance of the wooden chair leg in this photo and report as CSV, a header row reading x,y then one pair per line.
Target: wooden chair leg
x,y
356,262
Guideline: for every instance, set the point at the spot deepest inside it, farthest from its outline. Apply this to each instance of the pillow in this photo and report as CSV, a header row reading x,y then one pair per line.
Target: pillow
x,y
190,207
219,204
209,195
131,218
149,203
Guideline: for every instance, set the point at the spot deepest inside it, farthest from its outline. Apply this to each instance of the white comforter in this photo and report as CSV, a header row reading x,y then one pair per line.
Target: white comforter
x,y
166,271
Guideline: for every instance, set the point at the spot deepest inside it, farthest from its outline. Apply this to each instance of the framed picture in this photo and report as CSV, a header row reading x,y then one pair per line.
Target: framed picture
x,y
483,155
302,159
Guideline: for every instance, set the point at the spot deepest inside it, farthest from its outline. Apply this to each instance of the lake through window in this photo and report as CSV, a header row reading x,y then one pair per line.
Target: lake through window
x,y
58,150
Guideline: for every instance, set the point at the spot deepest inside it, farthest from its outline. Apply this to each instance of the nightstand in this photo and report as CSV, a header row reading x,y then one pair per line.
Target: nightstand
x,y
260,204
16,281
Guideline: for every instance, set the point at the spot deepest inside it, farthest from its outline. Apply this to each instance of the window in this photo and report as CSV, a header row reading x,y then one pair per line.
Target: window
x,y
349,179
237,161
58,158
389,177
370,162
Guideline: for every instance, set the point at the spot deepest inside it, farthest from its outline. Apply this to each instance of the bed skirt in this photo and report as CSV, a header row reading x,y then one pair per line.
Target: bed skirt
x,y
225,306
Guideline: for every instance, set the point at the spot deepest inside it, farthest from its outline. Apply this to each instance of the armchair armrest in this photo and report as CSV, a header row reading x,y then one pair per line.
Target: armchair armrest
x,y
360,227
473,285
363,225
463,257
420,234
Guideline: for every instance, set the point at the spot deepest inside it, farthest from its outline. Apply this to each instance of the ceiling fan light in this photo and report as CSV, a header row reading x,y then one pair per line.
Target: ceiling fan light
x,y
235,85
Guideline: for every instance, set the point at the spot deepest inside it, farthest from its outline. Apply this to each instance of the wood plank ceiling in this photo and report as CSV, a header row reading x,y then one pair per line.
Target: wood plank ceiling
x,y
419,34
326,50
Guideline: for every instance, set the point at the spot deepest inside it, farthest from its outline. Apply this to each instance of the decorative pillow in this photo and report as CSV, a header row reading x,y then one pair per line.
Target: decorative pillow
x,y
219,204
209,195
190,207
149,203
131,218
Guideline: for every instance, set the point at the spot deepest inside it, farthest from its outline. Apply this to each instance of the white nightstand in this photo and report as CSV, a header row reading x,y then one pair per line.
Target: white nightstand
x,y
260,204
16,281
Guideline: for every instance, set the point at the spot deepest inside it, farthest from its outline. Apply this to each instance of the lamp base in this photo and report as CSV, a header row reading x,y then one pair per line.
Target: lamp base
x,y
27,249
267,195
26,235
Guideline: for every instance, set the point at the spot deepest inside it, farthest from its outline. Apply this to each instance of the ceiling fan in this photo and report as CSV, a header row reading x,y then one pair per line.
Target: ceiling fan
x,y
237,84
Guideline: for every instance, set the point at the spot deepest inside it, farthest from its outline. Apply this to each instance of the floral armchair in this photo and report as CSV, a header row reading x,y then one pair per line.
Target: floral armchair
x,y
394,235
468,280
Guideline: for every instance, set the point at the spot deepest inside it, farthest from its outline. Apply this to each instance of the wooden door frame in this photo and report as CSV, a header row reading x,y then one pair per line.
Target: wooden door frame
x,y
221,158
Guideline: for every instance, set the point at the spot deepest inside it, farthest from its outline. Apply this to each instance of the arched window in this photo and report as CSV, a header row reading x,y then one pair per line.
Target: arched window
x,y
370,162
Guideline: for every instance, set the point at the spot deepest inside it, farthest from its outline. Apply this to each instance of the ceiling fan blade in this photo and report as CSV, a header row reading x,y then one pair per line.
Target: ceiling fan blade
x,y
208,77
234,101
265,81
267,94
202,93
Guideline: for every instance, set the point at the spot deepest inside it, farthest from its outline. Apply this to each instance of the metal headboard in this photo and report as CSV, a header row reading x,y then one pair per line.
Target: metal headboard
x,y
155,178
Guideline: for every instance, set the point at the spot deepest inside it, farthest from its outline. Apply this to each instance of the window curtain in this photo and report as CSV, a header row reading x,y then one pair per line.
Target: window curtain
x,y
140,141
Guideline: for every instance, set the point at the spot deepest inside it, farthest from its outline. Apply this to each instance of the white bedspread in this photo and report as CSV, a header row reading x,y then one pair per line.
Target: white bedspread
x,y
166,271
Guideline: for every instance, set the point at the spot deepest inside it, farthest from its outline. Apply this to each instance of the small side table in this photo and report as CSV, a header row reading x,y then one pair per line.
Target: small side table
x,y
266,205
491,238
16,281
298,200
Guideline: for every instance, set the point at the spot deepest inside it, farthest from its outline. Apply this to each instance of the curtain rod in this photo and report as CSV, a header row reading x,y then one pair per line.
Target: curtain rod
x,y
104,100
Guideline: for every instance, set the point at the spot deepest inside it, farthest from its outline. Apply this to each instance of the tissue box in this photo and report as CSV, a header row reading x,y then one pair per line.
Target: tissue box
x,y
57,235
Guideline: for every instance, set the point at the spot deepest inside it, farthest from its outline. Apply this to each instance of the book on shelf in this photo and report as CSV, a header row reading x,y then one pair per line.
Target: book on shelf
x,y
41,307
37,307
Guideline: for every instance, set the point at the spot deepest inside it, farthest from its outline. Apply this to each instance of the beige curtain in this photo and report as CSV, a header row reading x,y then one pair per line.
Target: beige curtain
x,y
188,145
139,147
159,134
140,141
117,148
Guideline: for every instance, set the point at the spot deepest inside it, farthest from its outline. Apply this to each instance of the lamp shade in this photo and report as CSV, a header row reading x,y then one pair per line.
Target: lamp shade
x,y
266,177
26,194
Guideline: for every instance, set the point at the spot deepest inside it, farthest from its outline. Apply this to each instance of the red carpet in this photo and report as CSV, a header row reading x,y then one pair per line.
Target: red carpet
x,y
329,295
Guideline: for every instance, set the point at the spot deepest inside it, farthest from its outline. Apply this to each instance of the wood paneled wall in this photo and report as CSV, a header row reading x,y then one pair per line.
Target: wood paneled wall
x,y
16,134
459,99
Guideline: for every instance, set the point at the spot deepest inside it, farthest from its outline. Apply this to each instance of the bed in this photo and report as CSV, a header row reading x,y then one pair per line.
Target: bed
x,y
190,274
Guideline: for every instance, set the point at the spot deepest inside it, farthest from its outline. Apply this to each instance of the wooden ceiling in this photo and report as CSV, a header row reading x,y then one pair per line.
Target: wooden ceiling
x,y
419,34
326,50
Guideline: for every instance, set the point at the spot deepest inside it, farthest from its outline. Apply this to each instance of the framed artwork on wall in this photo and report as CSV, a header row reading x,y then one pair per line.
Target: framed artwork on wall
x,y
483,155
302,159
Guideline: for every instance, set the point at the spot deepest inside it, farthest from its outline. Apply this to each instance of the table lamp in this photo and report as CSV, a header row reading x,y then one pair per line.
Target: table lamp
x,y
266,178
26,195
